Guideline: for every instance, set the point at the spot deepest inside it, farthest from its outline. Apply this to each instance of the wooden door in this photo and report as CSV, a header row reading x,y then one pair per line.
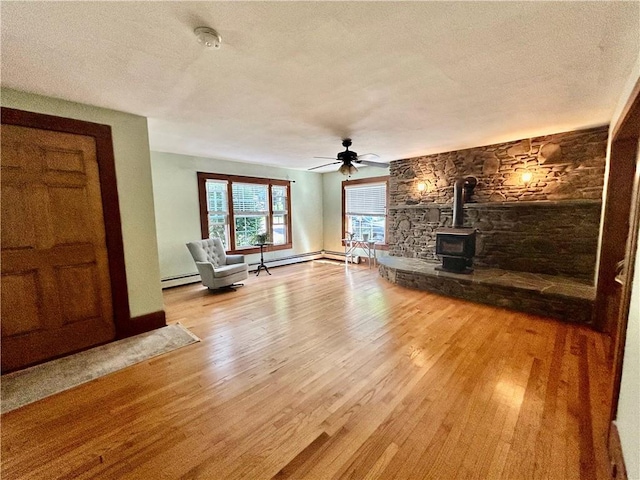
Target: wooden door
x,y
56,293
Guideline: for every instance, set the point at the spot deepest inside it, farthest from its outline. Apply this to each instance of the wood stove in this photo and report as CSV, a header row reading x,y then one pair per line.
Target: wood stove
x,y
457,245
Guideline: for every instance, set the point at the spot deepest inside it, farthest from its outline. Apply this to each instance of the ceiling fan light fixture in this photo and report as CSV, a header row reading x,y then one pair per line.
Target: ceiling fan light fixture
x,y
348,158
208,37
347,169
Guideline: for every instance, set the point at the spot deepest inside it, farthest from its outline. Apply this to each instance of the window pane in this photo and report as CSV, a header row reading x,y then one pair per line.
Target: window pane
x,y
250,197
373,225
218,228
279,198
247,227
279,230
217,196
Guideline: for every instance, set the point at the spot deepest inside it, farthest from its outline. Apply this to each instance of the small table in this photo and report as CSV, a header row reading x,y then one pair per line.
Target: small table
x,y
351,244
262,265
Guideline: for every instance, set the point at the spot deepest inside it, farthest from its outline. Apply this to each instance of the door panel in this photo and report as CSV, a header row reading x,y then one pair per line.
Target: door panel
x,y
16,233
64,160
75,229
25,308
83,303
55,270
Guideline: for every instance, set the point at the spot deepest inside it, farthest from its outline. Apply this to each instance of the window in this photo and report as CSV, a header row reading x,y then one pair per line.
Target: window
x,y
251,205
250,212
364,208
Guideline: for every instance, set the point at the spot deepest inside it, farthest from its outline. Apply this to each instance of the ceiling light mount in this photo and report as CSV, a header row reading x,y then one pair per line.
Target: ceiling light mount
x,y
208,37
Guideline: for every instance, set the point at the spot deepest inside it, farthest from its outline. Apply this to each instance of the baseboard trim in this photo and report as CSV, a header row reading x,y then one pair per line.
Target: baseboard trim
x,y
142,324
189,278
278,262
618,469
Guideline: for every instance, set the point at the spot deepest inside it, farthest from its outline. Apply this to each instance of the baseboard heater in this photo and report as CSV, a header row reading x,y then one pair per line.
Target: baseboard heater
x,y
178,280
340,256
188,278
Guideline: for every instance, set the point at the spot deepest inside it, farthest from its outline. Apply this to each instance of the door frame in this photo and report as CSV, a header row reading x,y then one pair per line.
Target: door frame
x,y
108,191
625,144
625,132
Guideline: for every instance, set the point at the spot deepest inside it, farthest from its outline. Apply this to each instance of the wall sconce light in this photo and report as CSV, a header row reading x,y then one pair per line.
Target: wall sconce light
x,y
526,177
422,186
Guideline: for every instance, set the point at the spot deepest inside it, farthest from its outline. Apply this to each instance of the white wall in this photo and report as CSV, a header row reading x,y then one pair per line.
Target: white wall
x,y
628,419
177,209
133,174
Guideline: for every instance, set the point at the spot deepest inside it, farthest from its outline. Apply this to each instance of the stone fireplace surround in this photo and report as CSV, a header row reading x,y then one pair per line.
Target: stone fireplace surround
x,y
546,230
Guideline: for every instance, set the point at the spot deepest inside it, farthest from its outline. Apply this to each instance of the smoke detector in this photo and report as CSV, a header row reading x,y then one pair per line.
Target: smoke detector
x,y
208,37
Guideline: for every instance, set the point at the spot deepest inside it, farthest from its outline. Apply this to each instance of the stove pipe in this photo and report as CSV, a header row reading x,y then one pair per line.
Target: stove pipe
x,y
458,213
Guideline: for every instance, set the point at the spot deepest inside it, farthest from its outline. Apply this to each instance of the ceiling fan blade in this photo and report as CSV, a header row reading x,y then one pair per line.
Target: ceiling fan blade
x,y
373,164
368,156
330,158
325,165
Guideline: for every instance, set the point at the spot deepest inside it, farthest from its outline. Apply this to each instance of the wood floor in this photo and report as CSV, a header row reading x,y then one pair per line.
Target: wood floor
x,y
321,371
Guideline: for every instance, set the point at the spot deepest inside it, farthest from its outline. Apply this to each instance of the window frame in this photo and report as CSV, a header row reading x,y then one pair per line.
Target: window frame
x,y
359,181
230,179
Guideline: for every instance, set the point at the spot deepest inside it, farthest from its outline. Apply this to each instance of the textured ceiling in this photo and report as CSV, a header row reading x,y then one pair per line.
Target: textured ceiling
x,y
293,78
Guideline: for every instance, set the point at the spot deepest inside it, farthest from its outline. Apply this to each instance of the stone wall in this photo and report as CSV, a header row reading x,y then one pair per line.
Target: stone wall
x,y
563,166
549,225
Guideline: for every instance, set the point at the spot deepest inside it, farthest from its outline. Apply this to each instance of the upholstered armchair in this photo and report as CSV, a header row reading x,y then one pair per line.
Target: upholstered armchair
x,y
216,268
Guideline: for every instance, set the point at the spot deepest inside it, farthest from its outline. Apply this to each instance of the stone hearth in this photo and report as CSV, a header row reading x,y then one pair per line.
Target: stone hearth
x,y
539,294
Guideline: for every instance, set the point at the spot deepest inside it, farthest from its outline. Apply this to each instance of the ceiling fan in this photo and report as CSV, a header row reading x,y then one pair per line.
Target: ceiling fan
x,y
348,158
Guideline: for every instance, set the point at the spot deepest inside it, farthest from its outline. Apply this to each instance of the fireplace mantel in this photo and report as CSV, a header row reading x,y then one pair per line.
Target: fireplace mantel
x,y
472,205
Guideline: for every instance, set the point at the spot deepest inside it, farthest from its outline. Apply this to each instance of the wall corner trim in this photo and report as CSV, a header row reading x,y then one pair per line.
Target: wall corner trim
x,y
142,324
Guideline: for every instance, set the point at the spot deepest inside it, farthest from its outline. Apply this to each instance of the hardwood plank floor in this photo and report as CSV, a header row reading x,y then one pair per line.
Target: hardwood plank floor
x,y
322,371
